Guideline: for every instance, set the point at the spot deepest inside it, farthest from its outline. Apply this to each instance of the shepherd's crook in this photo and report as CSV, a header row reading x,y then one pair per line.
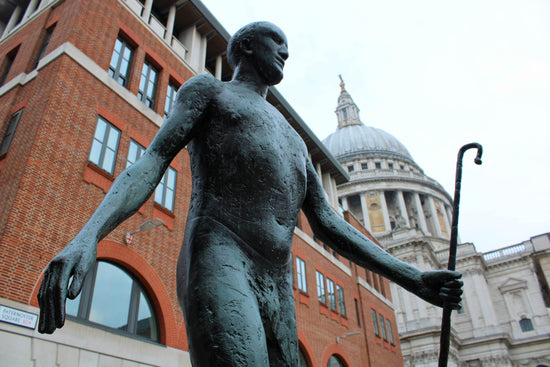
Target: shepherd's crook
x,y
446,321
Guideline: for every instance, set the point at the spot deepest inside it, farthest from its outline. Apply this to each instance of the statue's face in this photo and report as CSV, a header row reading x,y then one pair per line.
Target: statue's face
x,y
270,50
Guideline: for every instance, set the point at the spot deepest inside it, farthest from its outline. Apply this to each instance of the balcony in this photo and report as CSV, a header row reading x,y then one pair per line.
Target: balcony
x,y
158,28
194,37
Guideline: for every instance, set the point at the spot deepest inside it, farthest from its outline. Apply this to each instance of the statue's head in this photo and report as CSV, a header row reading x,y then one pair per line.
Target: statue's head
x,y
264,46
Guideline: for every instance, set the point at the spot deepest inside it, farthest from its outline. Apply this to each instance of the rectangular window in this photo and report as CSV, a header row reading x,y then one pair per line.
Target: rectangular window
x,y
350,169
135,151
10,57
526,325
357,312
378,165
364,166
331,294
375,281
148,84
119,69
383,327
165,191
341,300
375,322
301,274
368,276
321,287
44,47
105,145
390,332
390,165
170,98
382,288
10,132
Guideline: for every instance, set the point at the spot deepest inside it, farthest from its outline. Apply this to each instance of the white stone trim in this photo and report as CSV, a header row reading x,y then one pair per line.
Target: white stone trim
x,y
314,245
363,283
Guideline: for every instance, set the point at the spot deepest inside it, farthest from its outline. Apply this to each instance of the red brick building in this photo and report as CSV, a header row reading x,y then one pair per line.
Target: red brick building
x,y
84,87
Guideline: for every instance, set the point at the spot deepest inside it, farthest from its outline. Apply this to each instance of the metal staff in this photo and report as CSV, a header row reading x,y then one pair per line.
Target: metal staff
x,y
446,321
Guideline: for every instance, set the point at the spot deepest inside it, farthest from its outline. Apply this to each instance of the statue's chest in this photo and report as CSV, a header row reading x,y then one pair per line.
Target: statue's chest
x,y
254,127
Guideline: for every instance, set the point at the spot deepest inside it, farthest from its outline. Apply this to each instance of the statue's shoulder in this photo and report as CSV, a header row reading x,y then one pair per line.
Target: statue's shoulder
x,y
204,83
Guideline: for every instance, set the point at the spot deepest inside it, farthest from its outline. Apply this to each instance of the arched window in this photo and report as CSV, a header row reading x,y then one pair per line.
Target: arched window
x,y
334,361
113,298
303,359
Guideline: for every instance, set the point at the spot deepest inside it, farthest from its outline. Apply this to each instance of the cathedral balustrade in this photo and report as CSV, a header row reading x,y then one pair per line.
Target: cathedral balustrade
x,y
509,252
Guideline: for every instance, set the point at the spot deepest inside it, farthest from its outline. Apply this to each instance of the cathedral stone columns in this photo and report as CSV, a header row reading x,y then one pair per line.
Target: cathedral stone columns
x,y
446,218
365,210
385,212
403,208
345,205
435,222
421,217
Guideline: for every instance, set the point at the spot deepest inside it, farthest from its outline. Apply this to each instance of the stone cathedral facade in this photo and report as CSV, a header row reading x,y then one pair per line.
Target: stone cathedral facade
x,y
505,319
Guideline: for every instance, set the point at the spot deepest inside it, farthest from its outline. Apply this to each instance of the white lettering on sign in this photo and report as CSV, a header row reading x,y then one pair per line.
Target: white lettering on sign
x,y
17,317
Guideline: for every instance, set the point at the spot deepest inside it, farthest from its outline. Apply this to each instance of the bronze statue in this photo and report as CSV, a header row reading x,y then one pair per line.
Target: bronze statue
x,y
251,176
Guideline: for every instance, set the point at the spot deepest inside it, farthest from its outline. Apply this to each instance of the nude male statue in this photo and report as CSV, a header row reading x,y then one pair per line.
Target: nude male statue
x,y
251,176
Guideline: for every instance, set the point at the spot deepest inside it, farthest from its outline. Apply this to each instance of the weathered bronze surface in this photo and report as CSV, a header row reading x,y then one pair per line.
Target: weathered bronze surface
x,y
251,176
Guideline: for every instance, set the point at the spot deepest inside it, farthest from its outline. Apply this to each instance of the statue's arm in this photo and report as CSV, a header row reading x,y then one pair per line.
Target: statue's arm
x,y
435,287
127,194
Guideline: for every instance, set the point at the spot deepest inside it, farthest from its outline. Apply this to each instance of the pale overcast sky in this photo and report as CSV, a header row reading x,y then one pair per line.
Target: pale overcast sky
x,y
436,75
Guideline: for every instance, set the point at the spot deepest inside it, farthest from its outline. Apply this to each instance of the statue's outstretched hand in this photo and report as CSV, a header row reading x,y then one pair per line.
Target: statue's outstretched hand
x,y
441,287
73,261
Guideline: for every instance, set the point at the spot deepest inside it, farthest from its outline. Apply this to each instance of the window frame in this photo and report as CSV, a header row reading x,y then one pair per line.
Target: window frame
x,y
10,58
375,322
109,128
115,70
341,300
171,92
390,332
321,290
44,46
140,149
382,327
526,325
85,302
148,88
10,131
331,295
301,275
163,188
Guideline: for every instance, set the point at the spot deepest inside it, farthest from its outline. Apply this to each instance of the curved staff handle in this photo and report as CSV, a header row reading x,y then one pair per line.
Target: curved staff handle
x,y
446,320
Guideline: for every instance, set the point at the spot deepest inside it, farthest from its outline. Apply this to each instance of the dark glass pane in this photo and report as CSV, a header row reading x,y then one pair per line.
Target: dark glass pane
x,y
146,322
111,298
335,362
526,325
303,360
71,307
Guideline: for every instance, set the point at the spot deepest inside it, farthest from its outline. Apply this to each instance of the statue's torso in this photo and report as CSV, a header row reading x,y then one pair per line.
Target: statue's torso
x,y
249,170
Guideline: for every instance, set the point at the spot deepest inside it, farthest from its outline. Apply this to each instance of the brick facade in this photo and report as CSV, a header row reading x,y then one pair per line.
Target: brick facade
x,y
49,189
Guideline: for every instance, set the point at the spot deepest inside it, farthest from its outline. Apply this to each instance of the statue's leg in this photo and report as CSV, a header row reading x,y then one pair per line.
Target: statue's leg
x,y
276,300
223,321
